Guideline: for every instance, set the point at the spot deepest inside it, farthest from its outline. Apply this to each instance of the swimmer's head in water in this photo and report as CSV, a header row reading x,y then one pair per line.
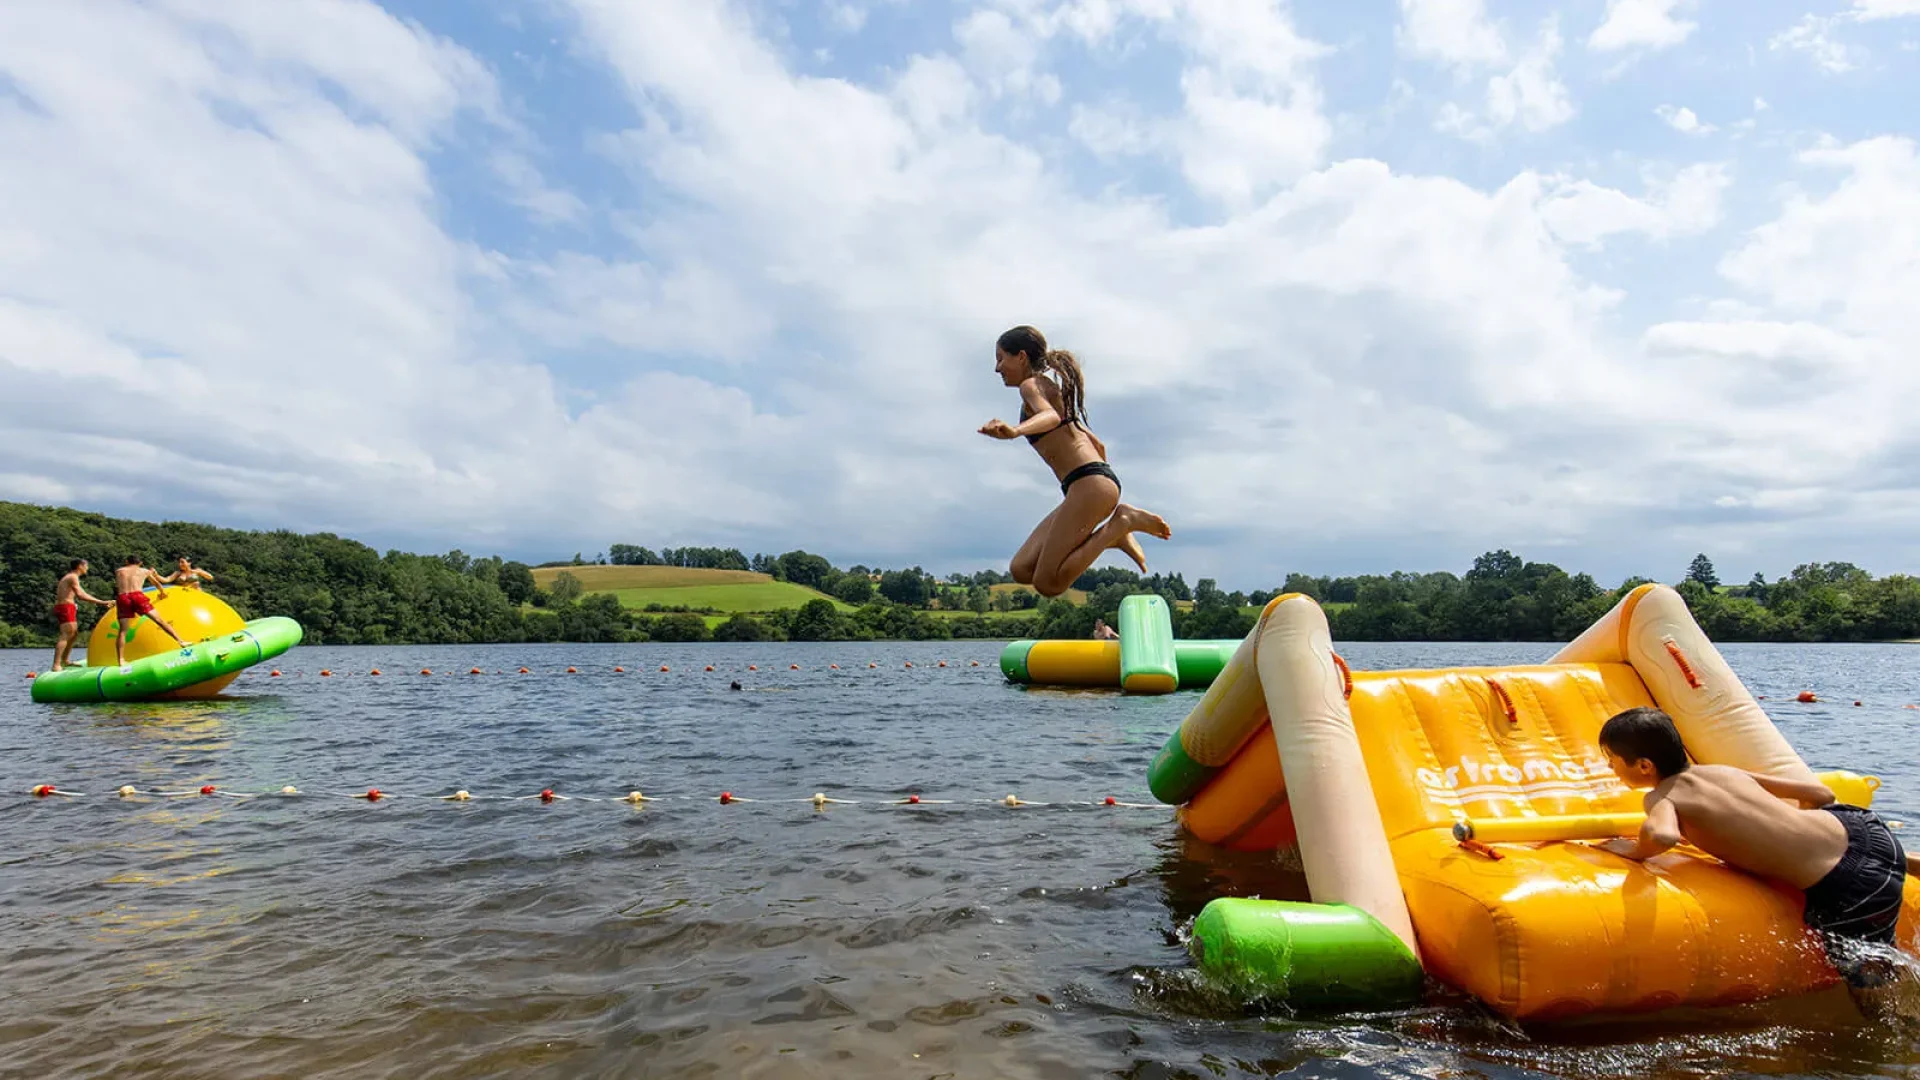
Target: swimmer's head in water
x,y
1022,353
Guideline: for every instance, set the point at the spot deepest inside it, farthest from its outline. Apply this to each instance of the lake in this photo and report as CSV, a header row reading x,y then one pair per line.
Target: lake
x,y
323,935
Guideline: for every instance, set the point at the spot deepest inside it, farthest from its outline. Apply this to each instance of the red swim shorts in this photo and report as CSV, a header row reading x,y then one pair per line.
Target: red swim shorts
x,y
131,605
66,613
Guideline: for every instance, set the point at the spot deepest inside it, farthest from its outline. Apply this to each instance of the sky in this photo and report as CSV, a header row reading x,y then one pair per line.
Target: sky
x,y
1357,286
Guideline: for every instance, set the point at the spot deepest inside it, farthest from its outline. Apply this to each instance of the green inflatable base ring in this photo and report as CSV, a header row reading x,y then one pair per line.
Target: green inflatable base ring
x,y
1013,661
1311,956
1174,777
153,676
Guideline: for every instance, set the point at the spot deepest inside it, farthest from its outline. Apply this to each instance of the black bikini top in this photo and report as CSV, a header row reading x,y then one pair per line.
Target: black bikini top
x,y
1026,414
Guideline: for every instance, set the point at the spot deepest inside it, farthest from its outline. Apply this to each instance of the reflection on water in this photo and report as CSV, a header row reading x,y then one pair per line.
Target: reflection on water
x,y
323,935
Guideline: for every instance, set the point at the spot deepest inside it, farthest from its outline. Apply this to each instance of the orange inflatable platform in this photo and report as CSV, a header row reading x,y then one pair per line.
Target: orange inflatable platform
x,y
1453,807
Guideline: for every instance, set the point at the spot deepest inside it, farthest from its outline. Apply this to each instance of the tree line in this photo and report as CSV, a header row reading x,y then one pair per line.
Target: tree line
x,y
344,592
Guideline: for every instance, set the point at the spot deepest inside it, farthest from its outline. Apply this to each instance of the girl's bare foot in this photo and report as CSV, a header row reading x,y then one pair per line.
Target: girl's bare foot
x,y
1131,548
1138,520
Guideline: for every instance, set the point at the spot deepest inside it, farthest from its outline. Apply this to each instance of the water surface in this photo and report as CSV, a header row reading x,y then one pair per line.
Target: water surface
x,y
326,936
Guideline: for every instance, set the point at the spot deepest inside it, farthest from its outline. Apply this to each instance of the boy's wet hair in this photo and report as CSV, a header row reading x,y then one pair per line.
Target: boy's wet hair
x,y
77,564
1646,733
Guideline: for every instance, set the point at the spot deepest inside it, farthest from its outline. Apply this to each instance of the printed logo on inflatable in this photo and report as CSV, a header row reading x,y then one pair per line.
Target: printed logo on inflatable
x,y
1589,778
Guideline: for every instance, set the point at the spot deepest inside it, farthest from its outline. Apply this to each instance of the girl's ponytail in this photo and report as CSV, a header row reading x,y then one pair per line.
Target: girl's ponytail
x,y
1073,385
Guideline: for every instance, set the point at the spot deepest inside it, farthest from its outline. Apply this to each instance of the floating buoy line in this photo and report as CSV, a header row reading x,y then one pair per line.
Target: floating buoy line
x,y
818,800
618,669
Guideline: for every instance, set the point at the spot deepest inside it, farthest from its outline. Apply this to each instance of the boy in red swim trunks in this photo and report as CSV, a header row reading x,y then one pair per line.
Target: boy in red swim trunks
x,y
66,610
131,603
1846,860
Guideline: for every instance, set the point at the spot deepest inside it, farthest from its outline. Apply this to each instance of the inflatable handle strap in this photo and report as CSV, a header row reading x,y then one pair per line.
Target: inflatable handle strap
x,y
1346,675
1680,658
1506,702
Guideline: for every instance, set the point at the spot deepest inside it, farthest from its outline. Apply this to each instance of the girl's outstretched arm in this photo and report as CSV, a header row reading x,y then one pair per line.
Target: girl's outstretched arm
x,y
1041,415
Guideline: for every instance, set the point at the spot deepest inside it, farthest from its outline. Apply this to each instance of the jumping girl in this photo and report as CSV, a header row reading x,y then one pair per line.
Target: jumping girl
x,y
1092,518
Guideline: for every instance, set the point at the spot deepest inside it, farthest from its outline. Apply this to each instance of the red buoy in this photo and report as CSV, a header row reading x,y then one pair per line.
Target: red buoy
x,y
546,795
275,673
573,671
475,671
726,796
43,790
1110,800
1806,697
664,667
206,789
375,671
523,671
709,667
426,671
913,799
373,794
619,670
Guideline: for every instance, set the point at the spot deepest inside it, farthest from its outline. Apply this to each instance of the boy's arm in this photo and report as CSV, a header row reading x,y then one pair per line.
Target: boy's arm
x,y
89,597
1808,795
158,584
1660,831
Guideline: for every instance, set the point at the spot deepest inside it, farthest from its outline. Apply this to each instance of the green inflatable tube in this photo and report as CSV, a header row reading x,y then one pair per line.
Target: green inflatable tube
x,y
261,639
1197,663
1201,662
1315,956
1173,777
1147,664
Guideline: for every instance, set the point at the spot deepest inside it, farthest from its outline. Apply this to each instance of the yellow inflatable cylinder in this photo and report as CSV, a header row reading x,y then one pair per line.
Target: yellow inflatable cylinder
x,y
1545,827
1343,843
1074,663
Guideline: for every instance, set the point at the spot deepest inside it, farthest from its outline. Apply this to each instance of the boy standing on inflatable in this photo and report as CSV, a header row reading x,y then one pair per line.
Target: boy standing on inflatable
x,y
1091,518
1843,857
131,603
66,610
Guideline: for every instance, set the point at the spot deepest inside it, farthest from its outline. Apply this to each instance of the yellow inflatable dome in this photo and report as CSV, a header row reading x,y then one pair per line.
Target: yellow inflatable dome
x,y
195,615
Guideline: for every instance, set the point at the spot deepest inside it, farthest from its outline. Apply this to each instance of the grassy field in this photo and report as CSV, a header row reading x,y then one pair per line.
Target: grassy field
x,y
1078,596
672,586
614,578
758,596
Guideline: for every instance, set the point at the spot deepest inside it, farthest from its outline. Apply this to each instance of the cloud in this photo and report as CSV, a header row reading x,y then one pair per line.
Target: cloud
x,y
1868,10
1813,35
1683,120
1582,213
1642,24
326,261
1455,32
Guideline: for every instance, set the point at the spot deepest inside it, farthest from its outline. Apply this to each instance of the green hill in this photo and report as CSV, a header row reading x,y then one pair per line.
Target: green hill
x,y
725,591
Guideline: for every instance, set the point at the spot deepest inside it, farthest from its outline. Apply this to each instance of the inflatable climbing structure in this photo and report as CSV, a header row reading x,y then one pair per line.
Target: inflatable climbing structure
x,y
1146,659
157,669
1437,815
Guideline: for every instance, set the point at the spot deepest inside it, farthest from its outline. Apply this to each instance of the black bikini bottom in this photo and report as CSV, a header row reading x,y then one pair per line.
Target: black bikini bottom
x,y
1091,468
